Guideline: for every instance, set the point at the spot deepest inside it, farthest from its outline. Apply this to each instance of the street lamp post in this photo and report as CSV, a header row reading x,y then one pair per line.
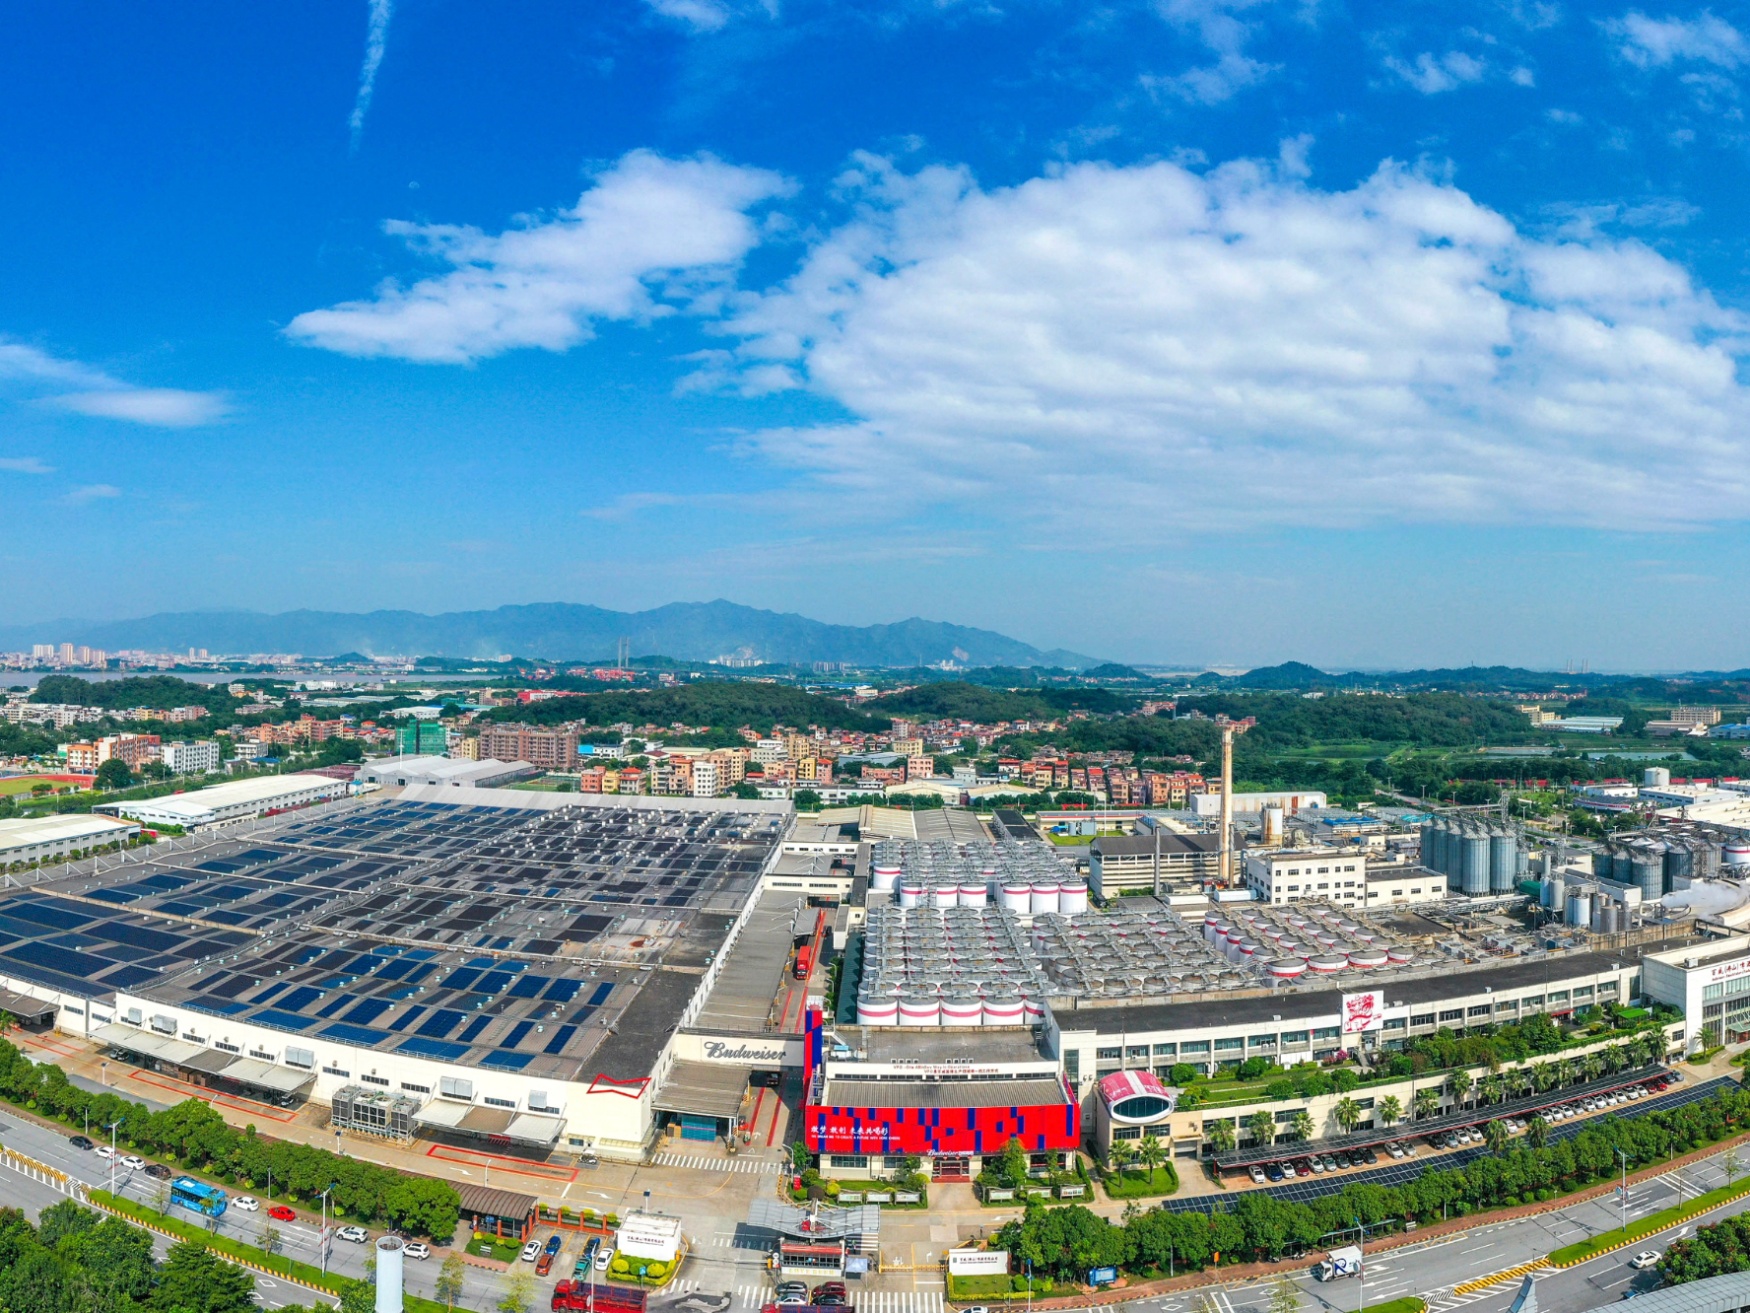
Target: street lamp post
x,y
1623,1191
104,1071
112,1127
1361,1270
322,1239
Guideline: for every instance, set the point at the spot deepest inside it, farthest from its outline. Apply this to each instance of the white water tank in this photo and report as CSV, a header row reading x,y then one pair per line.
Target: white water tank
x,y
962,1009
1016,896
1286,968
1033,1011
945,896
911,894
1656,777
877,1011
920,1010
974,895
1043,898
883,875
1735,854
1367,958
1072,899
1325,963
1003,1010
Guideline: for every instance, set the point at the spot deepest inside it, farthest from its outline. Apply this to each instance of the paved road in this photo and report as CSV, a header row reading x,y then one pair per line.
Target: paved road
x,y
1432,1270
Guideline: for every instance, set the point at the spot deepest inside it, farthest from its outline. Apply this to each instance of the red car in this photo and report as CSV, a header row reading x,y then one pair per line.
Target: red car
x,y
280,1213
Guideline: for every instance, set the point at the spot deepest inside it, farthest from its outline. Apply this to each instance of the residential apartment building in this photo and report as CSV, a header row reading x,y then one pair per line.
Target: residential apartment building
x,y
133,749
550,749
191,758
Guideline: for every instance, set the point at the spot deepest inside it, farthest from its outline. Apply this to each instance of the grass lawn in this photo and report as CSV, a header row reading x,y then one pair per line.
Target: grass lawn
x,y
18,784
500,1251
1138,1182
1408,1304
1658,1221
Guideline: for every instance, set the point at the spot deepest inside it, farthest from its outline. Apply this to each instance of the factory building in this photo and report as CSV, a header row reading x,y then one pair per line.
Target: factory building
x,y
1710,983
237,801
449,772
50,838
1157,860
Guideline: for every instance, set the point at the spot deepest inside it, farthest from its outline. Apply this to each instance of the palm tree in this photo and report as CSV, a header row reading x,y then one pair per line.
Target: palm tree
x,y
1220,1136
1591,1065
1426,1101
1543,1075
1496,1135
1391,1110
1612,1058
1152,1152
1348,1113
1303,1125
1537,1132
1461,1082
1564,1071
1262,1125
1492,1088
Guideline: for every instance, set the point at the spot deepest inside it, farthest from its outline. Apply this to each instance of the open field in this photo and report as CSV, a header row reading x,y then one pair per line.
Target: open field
x,y
16,784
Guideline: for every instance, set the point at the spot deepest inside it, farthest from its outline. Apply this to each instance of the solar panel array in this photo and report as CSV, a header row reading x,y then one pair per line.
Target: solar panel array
x,y
502,936
1305,1189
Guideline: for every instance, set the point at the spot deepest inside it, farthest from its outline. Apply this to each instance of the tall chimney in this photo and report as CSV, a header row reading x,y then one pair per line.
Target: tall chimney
x,y
1227,805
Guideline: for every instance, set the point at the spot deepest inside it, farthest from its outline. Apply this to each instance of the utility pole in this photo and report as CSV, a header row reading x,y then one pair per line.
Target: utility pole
x,y
1623,1191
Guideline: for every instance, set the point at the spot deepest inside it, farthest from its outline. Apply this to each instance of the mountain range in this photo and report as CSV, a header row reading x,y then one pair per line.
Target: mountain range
x,y
687,631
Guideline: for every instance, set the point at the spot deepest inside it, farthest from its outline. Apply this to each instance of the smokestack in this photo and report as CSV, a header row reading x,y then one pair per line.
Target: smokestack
x,y
1227,806
389,1274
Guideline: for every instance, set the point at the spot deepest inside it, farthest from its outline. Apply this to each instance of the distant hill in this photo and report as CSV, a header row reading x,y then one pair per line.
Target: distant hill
x,y
689,631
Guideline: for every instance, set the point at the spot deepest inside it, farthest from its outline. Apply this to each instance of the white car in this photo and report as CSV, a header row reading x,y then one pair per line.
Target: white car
x,y
416,1249
1257,1175
357,1234
602,1259
246,1204
1395,1150
133,1163
1646,1258
531,1251
104,1151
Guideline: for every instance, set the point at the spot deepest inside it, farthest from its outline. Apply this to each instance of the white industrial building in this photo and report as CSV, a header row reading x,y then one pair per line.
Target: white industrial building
x,y
1710,983
237,801
452,772
48,838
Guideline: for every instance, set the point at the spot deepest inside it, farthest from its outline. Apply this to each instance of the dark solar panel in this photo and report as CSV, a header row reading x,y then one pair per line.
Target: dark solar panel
x,y
368,1011
283,1020
563,991
508,1061
218,866
599,994
517,1032
117,895
492,982
440,1023
139,936
354,1034
407,1018
432,1048
164,881
59,915
461,978
560,1039
528,986
300,998
127,977
474,1027
59,959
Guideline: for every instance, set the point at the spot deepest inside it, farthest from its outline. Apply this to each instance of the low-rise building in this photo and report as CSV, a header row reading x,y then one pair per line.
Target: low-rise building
x,y
191,758
236,801
49,838
1117,862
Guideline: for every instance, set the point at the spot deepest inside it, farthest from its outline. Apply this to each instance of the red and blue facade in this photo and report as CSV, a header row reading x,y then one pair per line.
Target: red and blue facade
x,y
932,1131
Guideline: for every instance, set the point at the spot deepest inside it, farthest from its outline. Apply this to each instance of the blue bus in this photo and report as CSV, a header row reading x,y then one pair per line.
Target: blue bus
x,y
207,1200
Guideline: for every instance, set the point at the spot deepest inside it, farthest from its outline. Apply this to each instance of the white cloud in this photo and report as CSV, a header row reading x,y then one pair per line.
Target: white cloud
x,y
1659,42
1125,354
376,43
1431,74
169,408
650,234
1217,25
105,396
93,492
699,15
24,465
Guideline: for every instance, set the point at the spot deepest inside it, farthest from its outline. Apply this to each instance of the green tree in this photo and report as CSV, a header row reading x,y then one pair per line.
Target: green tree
x,y
450,1279
1496,1135
1729,1161
357,1297
195,1280
519,1294
1303,1125
113,774
1537,1132
1426,1101
68,1218
1152,1153
1391,1110
1348,1113
422,1206
1461,1082
1013,1164
1262,1125
1284,1296
1219,1135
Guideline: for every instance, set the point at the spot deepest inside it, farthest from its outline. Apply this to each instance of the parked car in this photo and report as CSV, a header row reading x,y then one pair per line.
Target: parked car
x,y
159,1172
785,1301
356,1234
792,1287
246,1204
280,1213
133,1162
1274,1171
1409,1148
416,1249
1369,1157
1395,1150
603,1259
1317,1164
79,1142
1329,1161
1676,1077
1257,1175
104,1151
544,1264
531,1251
1302,1167
553,1243
1646,1258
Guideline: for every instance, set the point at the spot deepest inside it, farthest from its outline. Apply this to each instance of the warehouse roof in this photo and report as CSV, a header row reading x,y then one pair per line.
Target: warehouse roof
x,y
27,831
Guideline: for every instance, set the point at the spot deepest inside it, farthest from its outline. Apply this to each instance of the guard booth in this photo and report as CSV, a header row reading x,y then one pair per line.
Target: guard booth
x,y
704,1101
810,1260
497,1212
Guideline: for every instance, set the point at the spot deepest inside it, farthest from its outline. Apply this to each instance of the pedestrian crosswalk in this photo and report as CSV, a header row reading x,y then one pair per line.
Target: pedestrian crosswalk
x,y
700,1162
866,1301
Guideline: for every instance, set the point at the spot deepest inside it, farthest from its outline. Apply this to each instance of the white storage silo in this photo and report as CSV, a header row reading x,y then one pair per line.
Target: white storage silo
x,y
1367,958
1072,898
884,875
1322,964
973,894
920,1010
878,1011
1398,956
911,893
1286,968
1003,1010
1033,1011
1016,896
945,896
962,1008
1043,898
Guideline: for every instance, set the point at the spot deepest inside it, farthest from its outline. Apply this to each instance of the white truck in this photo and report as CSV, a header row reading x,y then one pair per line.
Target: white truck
x,y
1344,1262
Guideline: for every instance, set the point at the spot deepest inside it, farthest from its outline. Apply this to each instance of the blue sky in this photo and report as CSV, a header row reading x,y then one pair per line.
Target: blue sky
x,y
1183,330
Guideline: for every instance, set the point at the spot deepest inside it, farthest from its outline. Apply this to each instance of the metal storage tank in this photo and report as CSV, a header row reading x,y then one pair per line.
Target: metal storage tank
x,y
1032,1011
962,1008
1286,968
1043,898
1604,920
877,1011
1503,861
1325,963
1558,895
945,896
911,894
1072,898
1367,958
1679,864
1003,1010
1398,956
1736,853
884,875
1647,870
1475,878
920,1010
1016,896
974,895
1522,862
1580,910
1621,865
1429,857
1604,865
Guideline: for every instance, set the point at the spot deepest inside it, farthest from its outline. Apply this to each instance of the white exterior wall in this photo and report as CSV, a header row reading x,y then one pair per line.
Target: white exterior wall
x,y
192,758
